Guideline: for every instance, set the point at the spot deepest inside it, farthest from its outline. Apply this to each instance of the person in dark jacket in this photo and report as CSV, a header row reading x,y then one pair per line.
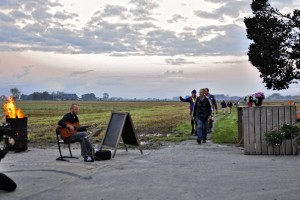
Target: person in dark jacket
x,y
191,99
229,105
214,108
223,105
68,121
202,113
6,183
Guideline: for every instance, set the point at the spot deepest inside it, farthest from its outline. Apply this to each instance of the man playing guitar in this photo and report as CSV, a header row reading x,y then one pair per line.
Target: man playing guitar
x,y
70,131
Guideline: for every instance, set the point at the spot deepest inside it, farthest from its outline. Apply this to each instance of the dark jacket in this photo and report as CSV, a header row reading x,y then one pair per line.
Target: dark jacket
x,y
70,118
223,104
191,100
213,101
202,108
229,104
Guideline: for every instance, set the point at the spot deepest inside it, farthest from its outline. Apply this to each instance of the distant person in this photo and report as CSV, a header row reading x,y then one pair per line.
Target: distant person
x,y
6,183
70,121
191,99
249,101
223,105
202,113
214,108
229,105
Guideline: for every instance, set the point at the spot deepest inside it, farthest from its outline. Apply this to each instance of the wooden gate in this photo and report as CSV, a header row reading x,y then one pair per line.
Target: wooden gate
x,y
254,122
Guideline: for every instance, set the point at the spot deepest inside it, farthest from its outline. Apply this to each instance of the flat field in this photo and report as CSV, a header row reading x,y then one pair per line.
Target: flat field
x,y
153,121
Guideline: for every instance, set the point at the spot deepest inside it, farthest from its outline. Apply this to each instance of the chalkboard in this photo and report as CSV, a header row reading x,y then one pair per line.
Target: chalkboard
x,y
114,129
128,134
120,125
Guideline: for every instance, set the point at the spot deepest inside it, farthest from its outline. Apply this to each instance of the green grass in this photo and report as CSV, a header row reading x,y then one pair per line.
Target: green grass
x,y
166,119
153,121
178,134
225,130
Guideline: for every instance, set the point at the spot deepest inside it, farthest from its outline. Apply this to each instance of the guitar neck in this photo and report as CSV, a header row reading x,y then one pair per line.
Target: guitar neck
x,y
83,127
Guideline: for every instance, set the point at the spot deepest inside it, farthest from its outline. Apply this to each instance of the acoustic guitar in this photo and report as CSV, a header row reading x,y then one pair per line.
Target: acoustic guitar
x,y
66,132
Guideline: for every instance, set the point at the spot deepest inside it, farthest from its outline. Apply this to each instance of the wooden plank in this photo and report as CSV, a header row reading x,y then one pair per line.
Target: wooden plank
x,y
270,126
240,127
263,130
281,121
276,150
246,131
294,142
293,115
275,125
275,119
257,131
288,117
288,147
251,121
294,146
288,120
294,121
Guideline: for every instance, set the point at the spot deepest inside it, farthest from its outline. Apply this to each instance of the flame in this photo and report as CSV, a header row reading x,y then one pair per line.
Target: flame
x,y
11,110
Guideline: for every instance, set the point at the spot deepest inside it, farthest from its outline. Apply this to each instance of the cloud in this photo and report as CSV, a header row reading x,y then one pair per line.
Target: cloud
x,y
173,73
178,61
229,8
135,31
77,73
230,62
177,18
4,18
143,9
115,11
25,71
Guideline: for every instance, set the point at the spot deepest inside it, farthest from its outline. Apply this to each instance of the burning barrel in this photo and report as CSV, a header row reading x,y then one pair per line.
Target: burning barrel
x,y
18,125
18,131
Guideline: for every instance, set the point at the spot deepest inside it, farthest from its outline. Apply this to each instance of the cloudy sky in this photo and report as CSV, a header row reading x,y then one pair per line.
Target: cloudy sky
x,y
129,48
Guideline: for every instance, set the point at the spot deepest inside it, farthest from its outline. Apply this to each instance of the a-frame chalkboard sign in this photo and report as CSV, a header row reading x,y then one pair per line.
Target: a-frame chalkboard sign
x,y
120,126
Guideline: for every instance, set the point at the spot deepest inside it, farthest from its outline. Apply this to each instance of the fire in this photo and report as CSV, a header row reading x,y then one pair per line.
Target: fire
x,y
11,110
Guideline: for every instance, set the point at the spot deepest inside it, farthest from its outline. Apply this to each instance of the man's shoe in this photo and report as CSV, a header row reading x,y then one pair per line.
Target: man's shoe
x,y
88,159
199,141
204,140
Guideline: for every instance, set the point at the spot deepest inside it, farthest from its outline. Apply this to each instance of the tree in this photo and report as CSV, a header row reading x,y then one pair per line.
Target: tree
x,y
15,92
276,48
105,96
89,97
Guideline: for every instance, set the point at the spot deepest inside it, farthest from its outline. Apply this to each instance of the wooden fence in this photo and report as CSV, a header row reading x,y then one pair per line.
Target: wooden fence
x,y
254,122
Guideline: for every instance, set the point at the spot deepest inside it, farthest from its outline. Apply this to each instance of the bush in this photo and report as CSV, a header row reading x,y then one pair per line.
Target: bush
x,y
287,131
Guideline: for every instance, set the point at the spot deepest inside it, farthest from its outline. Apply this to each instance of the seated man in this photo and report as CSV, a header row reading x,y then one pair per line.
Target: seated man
x,y
74,133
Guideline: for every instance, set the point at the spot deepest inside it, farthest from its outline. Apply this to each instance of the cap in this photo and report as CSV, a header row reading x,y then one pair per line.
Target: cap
x,y
194,92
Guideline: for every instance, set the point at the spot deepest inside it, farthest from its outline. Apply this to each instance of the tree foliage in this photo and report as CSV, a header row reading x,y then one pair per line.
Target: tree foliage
x,y
275,50
15,92
89,97
105,96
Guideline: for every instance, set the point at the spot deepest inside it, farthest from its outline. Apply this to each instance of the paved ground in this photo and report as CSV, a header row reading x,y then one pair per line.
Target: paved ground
x,y
183,171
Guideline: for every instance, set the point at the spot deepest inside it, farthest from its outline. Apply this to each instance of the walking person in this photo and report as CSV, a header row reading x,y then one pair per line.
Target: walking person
x,y
223,105
202,113
214,108
191,99
229,105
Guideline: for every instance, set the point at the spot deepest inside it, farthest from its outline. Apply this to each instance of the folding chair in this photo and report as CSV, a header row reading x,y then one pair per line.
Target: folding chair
x,y
60,141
